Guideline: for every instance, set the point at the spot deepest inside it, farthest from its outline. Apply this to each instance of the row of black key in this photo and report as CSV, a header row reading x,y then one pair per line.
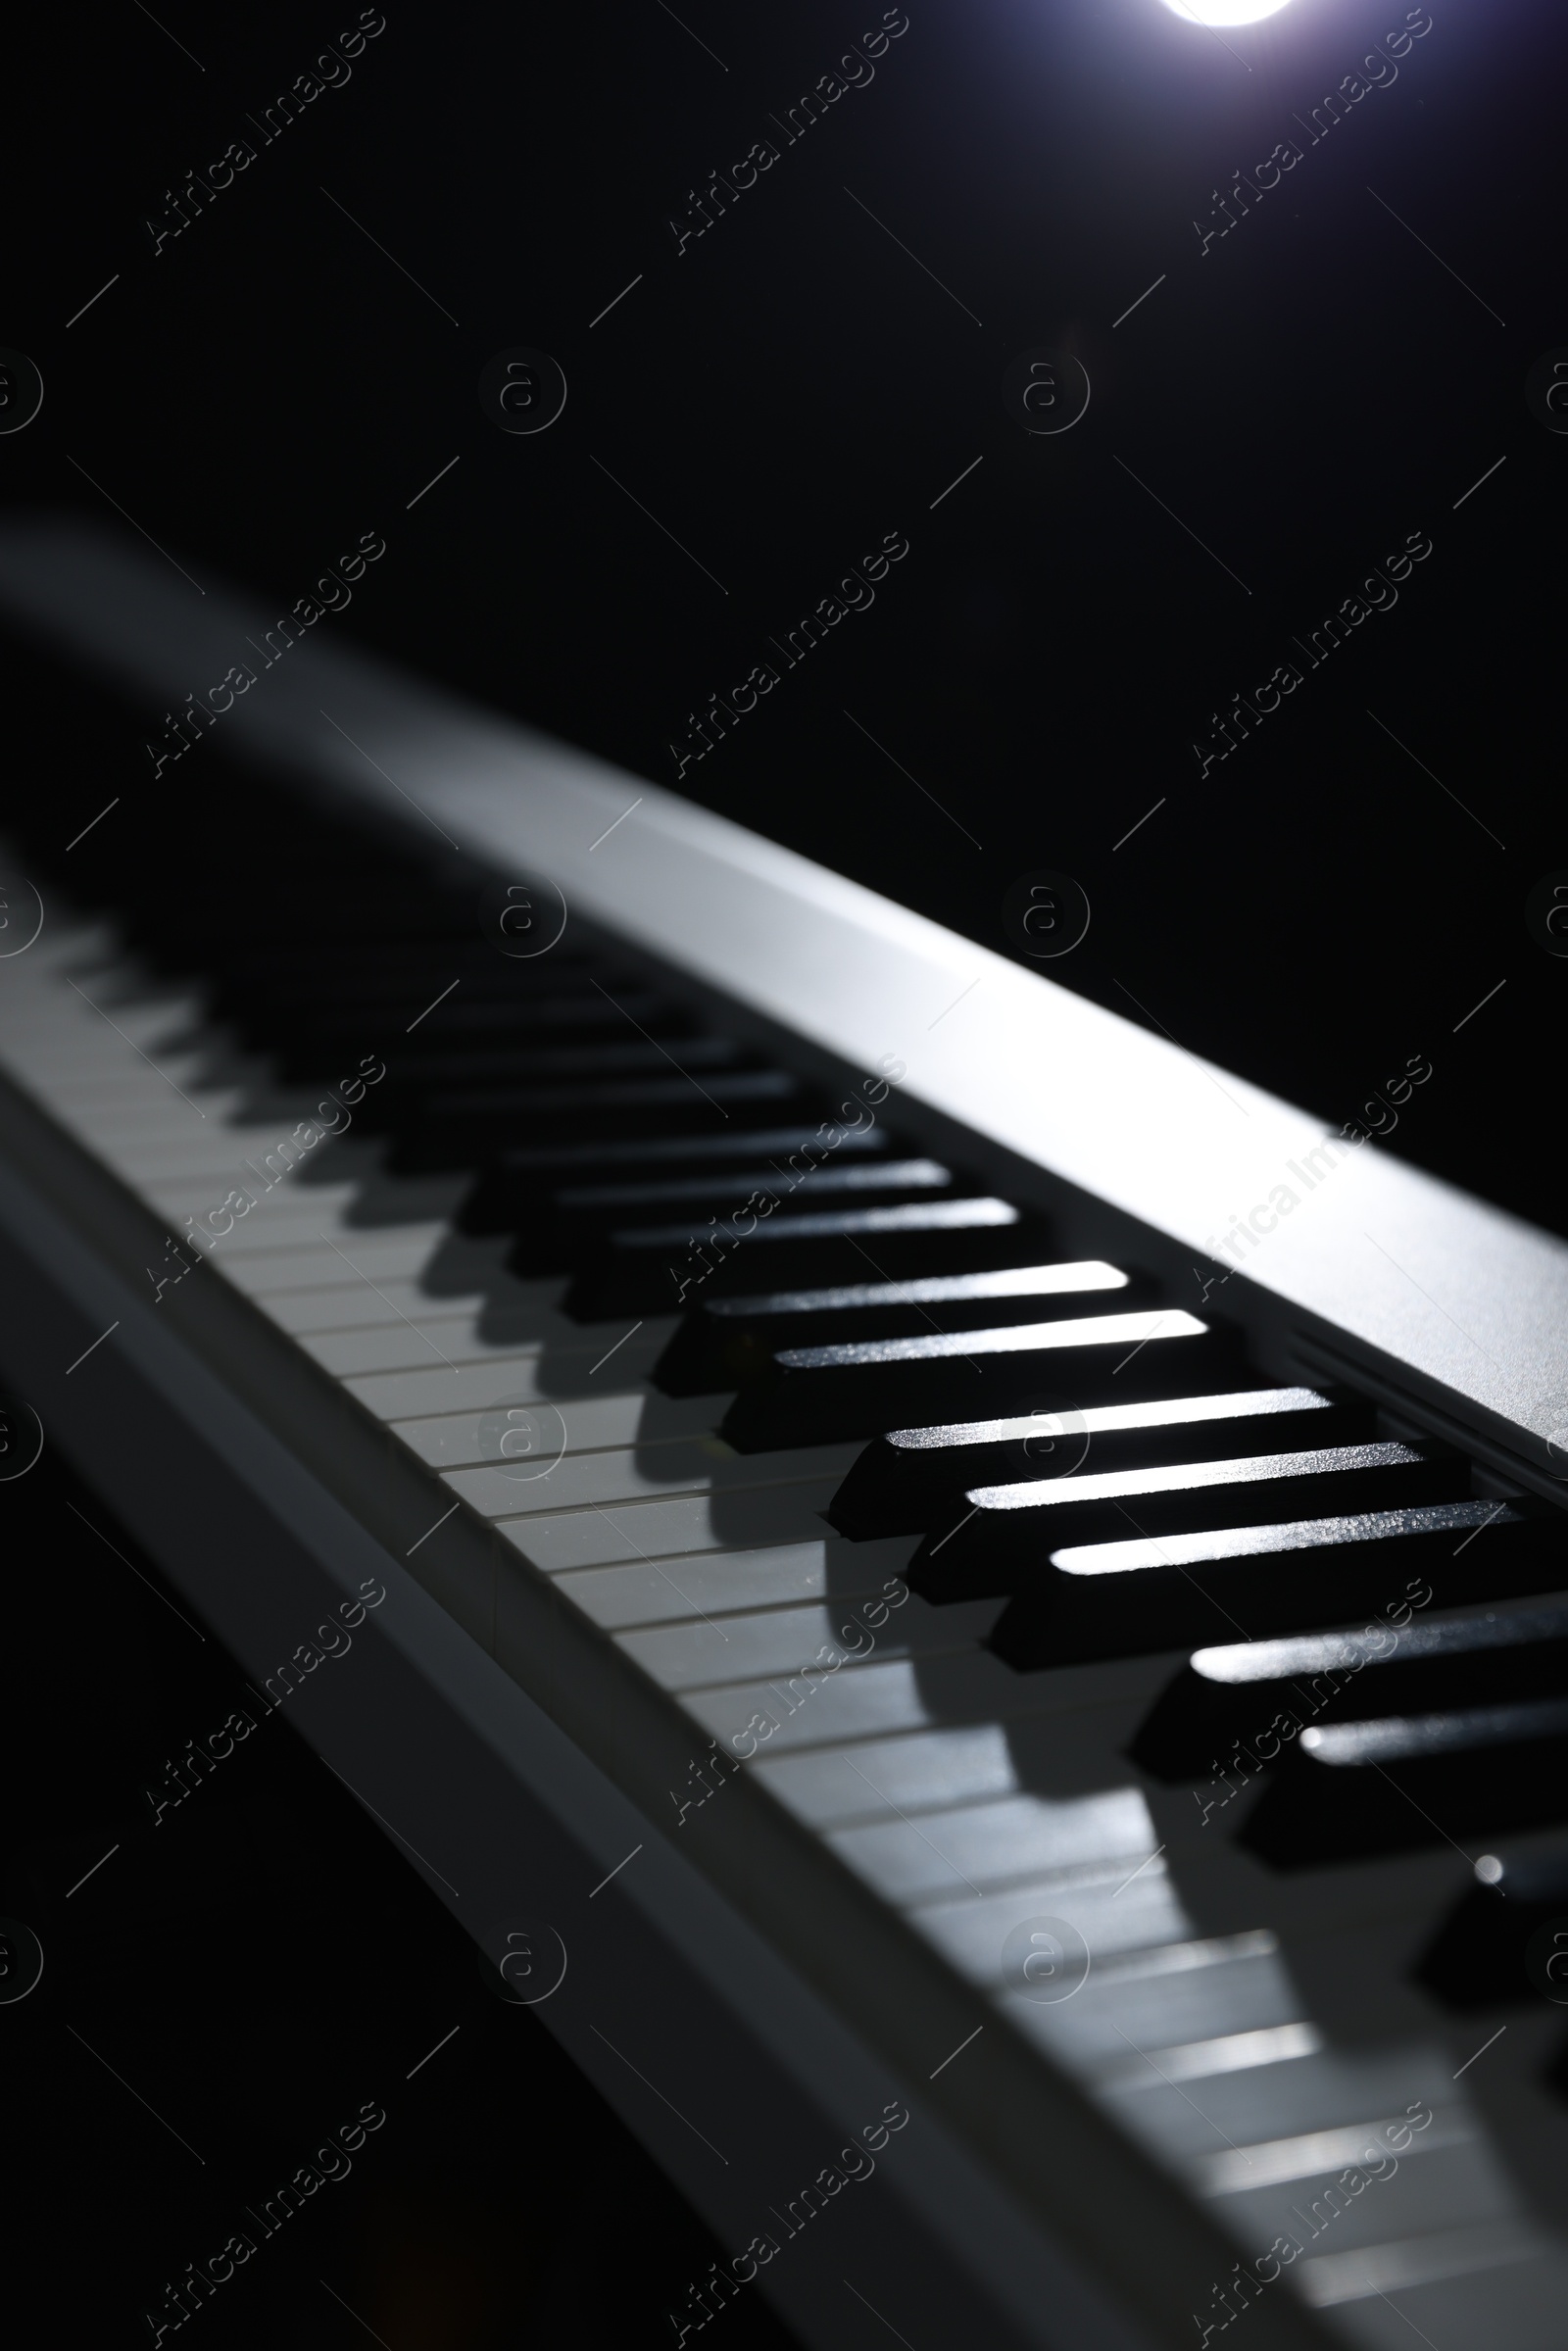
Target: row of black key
x,y
1114,1468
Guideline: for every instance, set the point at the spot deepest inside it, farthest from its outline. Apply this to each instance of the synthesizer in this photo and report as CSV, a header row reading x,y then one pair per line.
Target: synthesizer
x,y
975,1610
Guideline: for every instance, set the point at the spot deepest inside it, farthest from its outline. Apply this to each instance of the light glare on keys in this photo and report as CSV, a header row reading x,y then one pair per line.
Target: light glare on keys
x,y
937,1216
932,1289
1326,1653
1292,1534
1102,1420
1399,1739
1024,1337
1037,1494
887,1175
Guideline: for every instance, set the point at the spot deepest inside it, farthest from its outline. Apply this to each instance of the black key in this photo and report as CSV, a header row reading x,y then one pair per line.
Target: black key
x,y
582,1221
651,1268
736,1140
1505,1940
1347,1789
522,1184
395,939
827,1396
359,980
916,1480
363,968
730,1342
1226,1698
479,1013
580,1098
425,1046
453,1026
582,1059
406,933
1005,1540
549,1075
464,1129
440,987
911,1176
1184,1591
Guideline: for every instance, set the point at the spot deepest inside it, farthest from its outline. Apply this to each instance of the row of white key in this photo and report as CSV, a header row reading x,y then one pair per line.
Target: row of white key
x,y
918,1762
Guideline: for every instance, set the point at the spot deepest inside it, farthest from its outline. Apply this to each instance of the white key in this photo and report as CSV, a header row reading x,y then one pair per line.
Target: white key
x,y
705,1465
1437,2187
875,1701
356,1302
456,1341
928,1771
786,1642
1471,2280
610,1538
395,1253
281,1224
523,1376
924,1773
228,1156
993,1844
725,1582
132,1098
1180,1993
1283,2098
1243,2170
1144,2074
592,1423
296,1217
1111,1915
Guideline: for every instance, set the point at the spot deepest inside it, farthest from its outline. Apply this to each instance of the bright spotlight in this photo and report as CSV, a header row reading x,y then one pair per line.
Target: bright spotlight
x,y
1215,13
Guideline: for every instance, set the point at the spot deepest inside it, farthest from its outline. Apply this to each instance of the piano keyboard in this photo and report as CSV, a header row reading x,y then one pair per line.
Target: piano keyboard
x,y
1201,1720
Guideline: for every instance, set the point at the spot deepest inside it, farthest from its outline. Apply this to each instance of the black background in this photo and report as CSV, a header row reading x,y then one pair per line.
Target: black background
x,y
1304,394
1270,422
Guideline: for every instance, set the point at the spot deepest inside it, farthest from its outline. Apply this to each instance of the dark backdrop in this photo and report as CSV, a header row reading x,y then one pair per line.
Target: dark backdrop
x,y
1297,397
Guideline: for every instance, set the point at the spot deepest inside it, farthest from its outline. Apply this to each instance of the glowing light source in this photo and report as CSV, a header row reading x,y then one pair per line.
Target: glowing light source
x,y
1214,13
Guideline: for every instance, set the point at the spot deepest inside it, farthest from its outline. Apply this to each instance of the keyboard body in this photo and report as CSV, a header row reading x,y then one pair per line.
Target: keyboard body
x,y
840,1796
